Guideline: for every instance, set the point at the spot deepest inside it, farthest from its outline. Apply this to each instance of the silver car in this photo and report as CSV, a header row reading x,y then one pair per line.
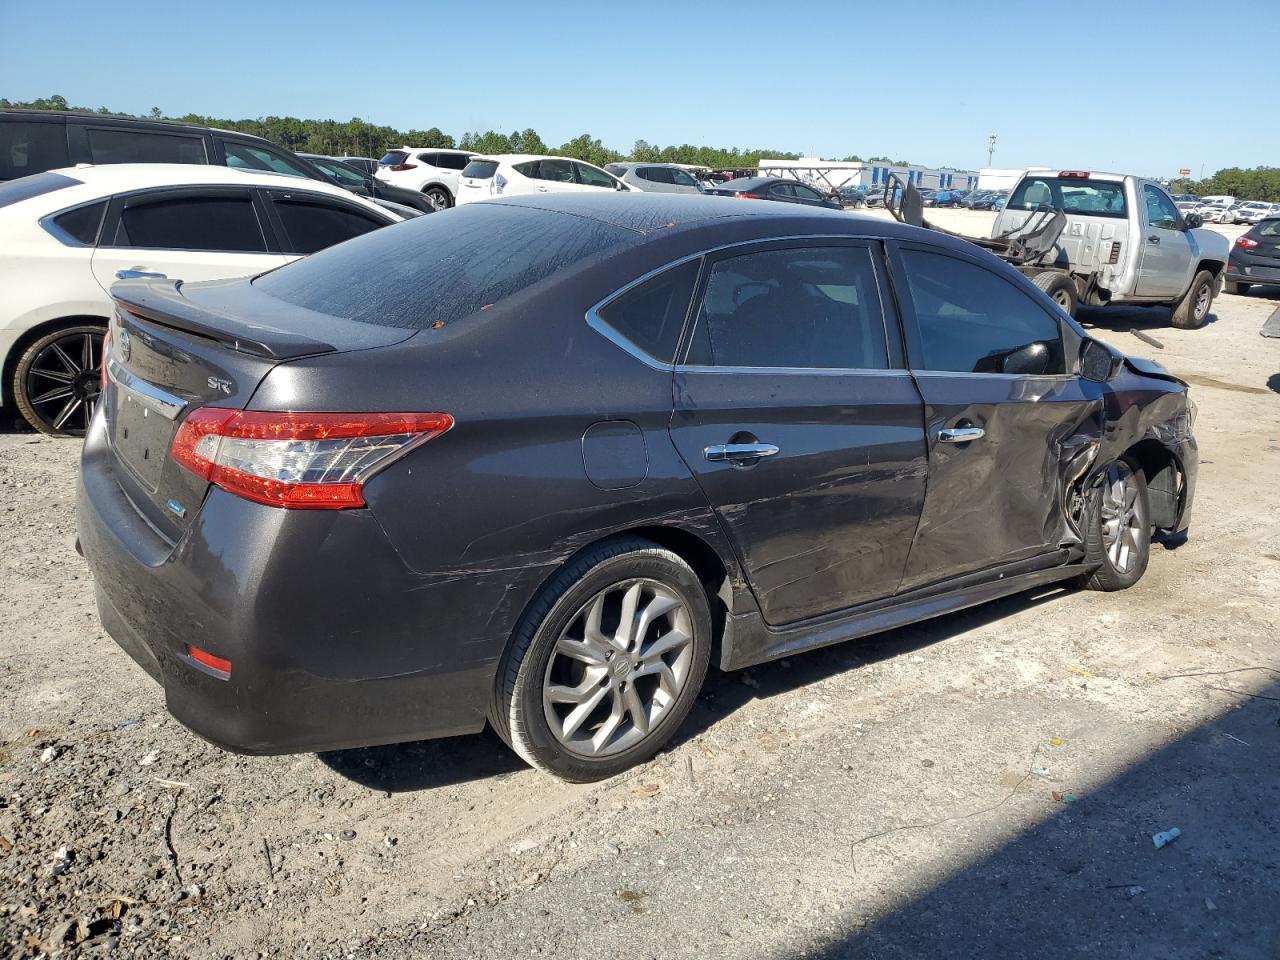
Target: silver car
x,y
1254,212
655,177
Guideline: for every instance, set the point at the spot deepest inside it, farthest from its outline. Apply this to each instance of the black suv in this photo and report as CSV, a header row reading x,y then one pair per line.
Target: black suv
x,y
33,141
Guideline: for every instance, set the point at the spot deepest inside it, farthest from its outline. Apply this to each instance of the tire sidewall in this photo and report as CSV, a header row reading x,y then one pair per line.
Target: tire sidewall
x,y
1184,314
18,384
530,734
1107,577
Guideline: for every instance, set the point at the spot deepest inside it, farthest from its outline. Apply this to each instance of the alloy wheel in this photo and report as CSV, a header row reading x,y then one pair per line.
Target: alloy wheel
x,y
618,668
62,383
1202,301
1121,519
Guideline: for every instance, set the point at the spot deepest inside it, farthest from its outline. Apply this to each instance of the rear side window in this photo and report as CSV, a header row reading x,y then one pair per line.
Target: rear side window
x,y
452,161
441,268
27,148
972,321
618,170
803,307
804,193
192,223
480,169
121,145
654,174
651,315
33,186
244,156
392,157
82,223
557,171
1072,195
430,159
312,226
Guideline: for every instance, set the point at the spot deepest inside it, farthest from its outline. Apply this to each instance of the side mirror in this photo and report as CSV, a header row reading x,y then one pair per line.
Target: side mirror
x,y
1097,362
1194,221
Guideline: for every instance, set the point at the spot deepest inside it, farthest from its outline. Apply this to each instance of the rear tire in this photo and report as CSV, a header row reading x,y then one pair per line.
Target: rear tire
x,y
1060,288
1117,528
1192,310
56,380
1238,289
606,663
439,197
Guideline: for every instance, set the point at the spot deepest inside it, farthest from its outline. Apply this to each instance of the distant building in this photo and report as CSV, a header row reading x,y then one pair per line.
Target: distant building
x,y
1002,178
854,173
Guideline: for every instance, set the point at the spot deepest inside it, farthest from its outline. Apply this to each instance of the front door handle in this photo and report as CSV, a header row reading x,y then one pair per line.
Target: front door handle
x,y
139,275
1154,240
739,452
960,434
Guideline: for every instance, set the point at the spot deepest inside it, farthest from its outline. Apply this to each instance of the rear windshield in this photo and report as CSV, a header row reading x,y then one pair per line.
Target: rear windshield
x,y
1269,228
480,169
1072,195
25,188
440,268
392,157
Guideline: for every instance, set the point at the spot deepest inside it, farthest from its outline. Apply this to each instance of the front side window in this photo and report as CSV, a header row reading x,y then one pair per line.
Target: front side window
x,y
314,225
591,177
342,173
121,145
1161,211
972,321
558,171
226,223
682,179
805,307
29,148
246,156
651,314
1072,195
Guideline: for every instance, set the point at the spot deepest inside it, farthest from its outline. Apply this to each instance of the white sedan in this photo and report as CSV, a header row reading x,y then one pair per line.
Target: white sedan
x,y
509,174
67,235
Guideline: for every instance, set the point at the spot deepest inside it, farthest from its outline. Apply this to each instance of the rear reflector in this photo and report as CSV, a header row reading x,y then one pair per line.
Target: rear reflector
x,y
209,660
1246,243
299,461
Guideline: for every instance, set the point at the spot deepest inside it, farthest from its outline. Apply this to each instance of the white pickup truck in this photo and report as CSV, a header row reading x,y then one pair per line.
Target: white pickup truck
x,y
1124,241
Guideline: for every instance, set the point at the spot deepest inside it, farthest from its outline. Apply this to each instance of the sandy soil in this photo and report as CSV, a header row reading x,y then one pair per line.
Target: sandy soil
x,y
990,781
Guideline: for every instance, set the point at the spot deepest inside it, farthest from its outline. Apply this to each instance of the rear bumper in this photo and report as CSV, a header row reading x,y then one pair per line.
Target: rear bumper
x,y
334,643
1247,268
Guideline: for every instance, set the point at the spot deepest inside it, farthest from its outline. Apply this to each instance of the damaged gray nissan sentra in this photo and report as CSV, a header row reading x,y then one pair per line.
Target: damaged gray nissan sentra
x,y
538,462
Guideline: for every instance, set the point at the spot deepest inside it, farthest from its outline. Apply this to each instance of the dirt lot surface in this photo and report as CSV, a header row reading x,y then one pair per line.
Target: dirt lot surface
x,y
985,785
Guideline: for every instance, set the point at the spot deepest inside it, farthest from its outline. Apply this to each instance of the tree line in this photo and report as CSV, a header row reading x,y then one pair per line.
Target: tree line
x,y
1256,183
359,138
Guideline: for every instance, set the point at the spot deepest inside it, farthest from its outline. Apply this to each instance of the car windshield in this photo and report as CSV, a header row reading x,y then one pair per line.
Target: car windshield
x,y
1072,195
24,188
439,269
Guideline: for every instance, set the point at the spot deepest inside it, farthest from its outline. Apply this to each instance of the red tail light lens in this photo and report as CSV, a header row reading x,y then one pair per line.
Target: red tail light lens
x,y
221,664
747,196
400,167
299,461
1247,243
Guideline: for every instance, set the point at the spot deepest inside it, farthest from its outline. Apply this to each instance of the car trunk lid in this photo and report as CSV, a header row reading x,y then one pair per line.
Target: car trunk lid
x,y
175,347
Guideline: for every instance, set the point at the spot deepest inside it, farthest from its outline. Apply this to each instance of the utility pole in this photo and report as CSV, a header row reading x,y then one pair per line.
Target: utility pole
x,y
991,148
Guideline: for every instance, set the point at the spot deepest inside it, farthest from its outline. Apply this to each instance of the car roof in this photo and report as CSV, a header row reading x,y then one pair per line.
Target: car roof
x,y
113,119
97,181
525,157
433,150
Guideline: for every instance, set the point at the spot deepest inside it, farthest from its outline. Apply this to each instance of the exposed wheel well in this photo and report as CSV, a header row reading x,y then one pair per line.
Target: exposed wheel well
x,y
1164,481
29,337
1214,267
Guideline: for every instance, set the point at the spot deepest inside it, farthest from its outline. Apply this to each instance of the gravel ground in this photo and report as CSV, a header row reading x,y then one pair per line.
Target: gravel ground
x,y
990,780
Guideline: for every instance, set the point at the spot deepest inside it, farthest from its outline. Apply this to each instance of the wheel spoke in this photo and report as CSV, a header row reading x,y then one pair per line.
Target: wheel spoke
x,y
586,651
559,693
635,708
579,713
625,636
666,676
669,641
592,634
659,606
64,357
601,737
57,393
72,406
86,352
57,375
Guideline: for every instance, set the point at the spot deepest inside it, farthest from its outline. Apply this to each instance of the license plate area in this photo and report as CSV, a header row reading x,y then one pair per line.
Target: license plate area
x,y
141,426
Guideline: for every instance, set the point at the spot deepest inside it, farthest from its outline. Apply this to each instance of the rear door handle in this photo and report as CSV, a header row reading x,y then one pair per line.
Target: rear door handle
x,y
960,434
139,275
739,452
1154,239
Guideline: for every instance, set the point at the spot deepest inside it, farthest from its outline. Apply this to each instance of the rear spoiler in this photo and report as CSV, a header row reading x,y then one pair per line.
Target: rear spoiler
x,y
162,302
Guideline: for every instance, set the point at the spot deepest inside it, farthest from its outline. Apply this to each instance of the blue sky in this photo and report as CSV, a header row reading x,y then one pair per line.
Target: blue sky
x,y
1136,87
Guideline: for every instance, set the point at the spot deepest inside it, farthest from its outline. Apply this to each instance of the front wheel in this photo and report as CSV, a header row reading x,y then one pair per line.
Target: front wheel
x,y
607,662
1117,528
1192,310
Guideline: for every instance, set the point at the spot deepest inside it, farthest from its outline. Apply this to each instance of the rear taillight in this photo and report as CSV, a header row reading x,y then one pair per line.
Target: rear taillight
x,y
1246,243
401,167
747,196
299,461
